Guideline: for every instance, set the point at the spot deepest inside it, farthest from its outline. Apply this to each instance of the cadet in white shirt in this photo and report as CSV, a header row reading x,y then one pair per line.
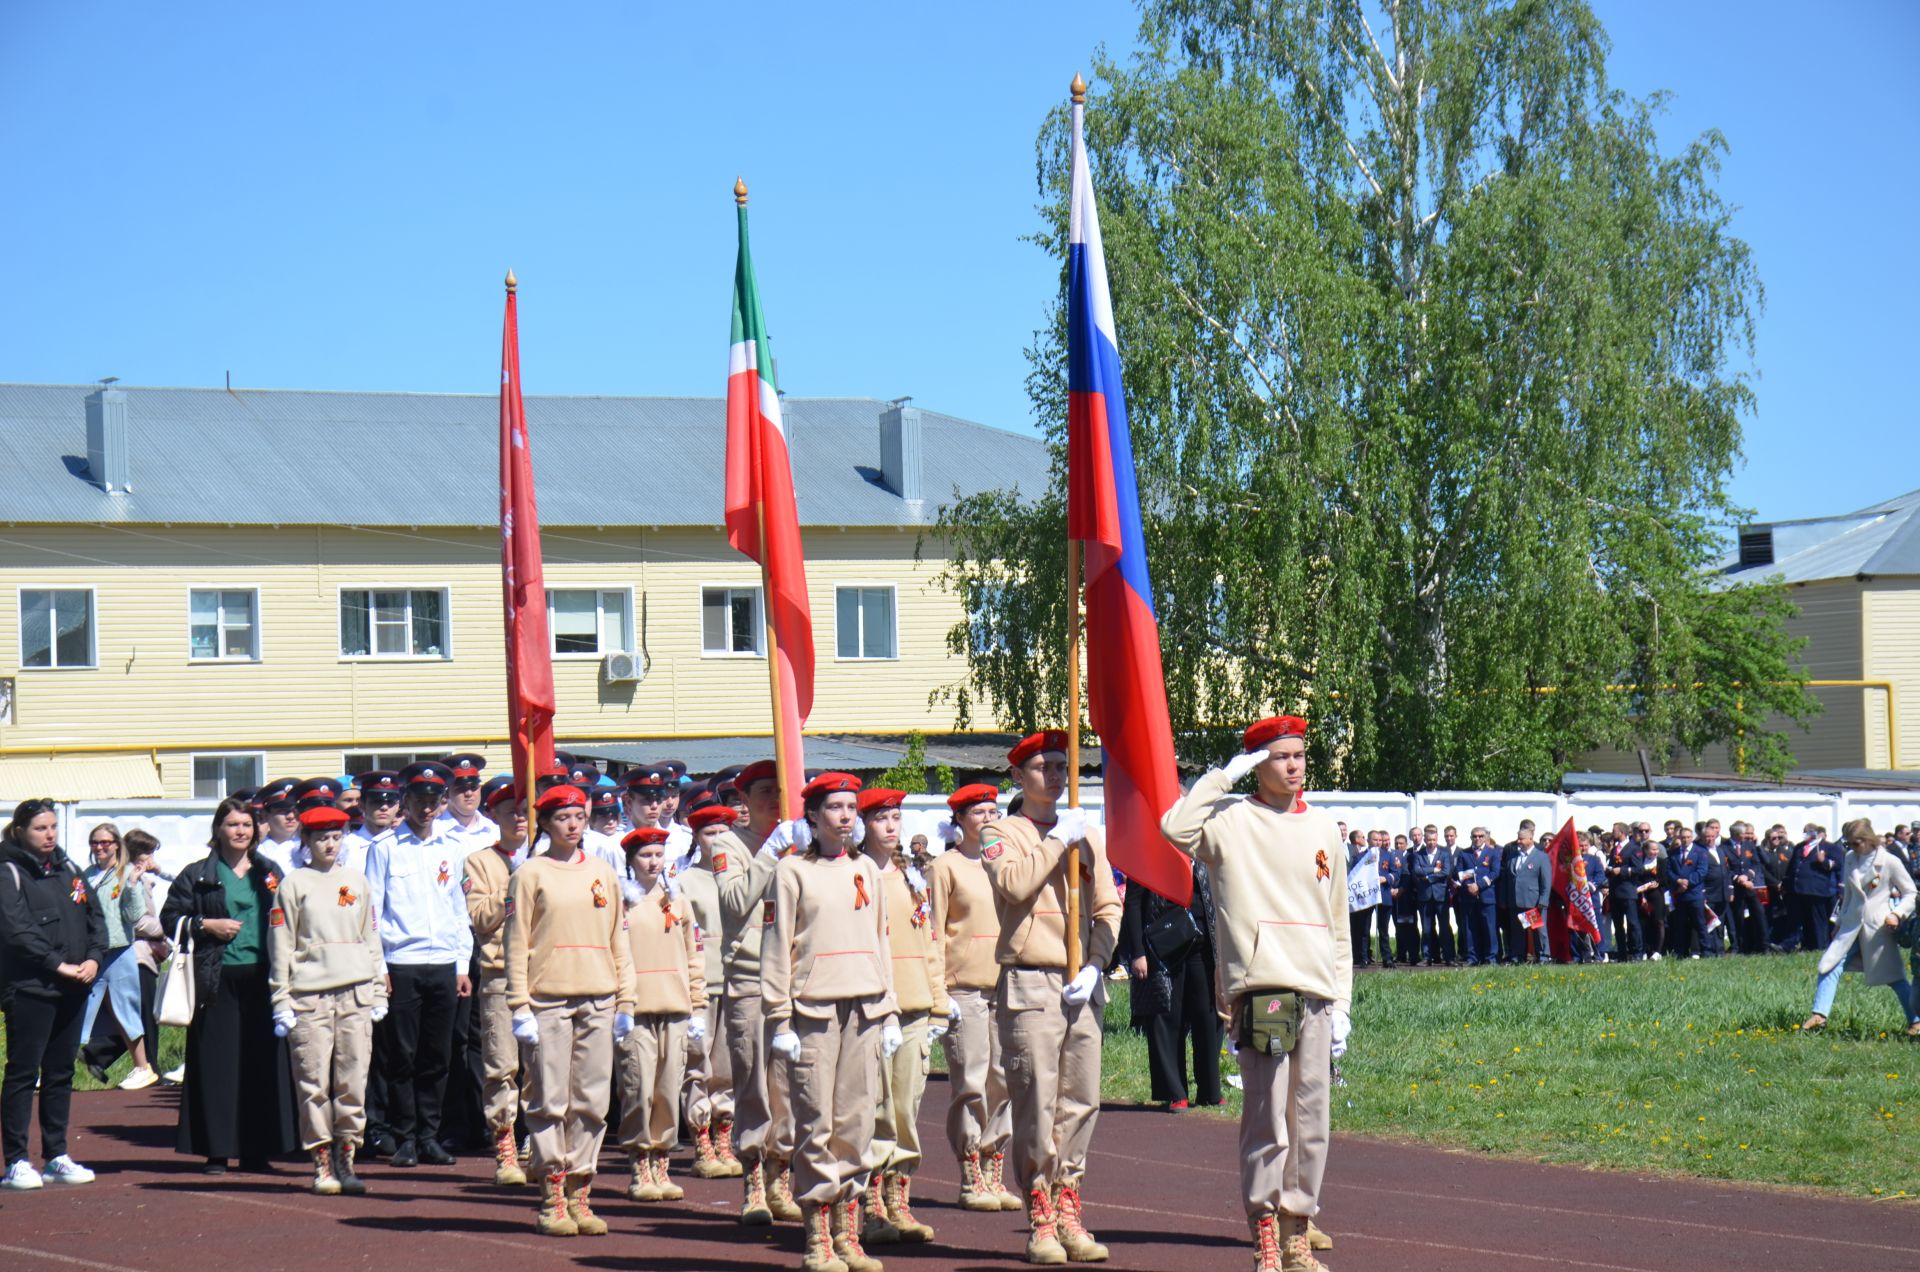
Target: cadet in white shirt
x,y
379,814
282,840
602,837
465,821
414,874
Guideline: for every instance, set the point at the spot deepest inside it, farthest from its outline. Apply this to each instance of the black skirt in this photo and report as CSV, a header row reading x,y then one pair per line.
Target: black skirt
x,y
237,1101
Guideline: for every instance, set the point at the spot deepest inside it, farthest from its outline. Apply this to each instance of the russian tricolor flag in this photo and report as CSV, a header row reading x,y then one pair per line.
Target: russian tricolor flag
x,y
1126,688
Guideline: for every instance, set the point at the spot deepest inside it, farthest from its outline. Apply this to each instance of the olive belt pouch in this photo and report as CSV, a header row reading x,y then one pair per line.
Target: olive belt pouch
x,y
1269,1021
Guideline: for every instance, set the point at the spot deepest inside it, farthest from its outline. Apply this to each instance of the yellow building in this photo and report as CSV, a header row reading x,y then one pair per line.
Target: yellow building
x,y
205,589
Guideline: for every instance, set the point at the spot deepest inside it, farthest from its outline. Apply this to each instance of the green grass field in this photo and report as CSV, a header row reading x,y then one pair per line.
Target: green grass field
x,y
1696,1068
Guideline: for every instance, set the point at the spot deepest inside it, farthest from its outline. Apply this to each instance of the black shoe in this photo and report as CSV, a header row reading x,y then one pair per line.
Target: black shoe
x,y
214,1166
405,1157
98,1072
434,1153
350,1183
256,1166
381,1145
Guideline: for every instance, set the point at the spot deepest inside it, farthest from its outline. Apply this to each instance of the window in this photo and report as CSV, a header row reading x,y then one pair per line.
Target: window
x,y
218,776
221,624
730,620
358,762
590,621
865,622
56,628
378,623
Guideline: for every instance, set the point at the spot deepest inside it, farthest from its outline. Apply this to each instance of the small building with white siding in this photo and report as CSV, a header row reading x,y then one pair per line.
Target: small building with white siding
x,y
201,588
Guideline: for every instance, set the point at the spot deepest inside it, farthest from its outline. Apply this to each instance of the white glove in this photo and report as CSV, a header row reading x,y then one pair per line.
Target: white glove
x,y
948,833
379,1013
953,1014
890,1039
794,835
622,1026
1080,988
936,1030
282,1023
785,1043
525,1027
859,831
1241,765
1233,1048
697,1029
1070,825
1342,1026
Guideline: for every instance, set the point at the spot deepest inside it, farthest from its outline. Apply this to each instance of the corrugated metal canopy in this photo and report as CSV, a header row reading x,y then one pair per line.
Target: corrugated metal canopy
x,y
1882,539
78,777
293,457
966,754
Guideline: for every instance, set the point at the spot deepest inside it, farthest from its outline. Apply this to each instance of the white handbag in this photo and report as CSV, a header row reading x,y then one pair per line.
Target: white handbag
x,y
175,992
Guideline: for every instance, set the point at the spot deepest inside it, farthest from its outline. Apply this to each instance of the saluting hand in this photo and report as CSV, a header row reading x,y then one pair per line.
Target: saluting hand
x,y
1241,765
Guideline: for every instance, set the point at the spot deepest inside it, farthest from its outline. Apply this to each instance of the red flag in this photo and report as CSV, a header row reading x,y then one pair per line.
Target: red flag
x,y
763,522
523,582
1572,908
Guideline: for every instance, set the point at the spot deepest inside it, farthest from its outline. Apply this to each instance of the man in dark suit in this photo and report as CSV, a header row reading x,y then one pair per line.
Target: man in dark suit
x,y
1686,873
1623,901
1533,890
1716,889
1430,868
1513,940
1814,880
1776,859
1392,864
1406,902
1477,867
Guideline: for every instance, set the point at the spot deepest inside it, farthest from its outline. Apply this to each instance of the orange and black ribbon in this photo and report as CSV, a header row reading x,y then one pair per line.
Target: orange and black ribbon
x,y
1320,867
860,900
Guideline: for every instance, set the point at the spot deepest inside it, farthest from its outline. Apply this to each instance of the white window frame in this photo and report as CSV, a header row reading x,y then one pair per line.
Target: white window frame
x,y
363,753
93,628
894,589
600,621
340,628
220,627
759,649
259,759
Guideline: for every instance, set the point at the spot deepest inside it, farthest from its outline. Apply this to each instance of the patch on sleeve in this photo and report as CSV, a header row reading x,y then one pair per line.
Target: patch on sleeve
x,y
766,912
510,905
993,850
719,863
277,917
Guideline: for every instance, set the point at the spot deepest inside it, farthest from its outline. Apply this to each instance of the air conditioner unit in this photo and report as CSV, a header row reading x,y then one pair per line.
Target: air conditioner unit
x,y
624,668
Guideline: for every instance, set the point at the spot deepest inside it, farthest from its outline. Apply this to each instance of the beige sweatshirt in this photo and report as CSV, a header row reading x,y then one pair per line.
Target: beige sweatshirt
x,y
700,893
566,934
1029,877
965,918
1279,892
746,911
828,941
322,936
485,883
919,974
669,976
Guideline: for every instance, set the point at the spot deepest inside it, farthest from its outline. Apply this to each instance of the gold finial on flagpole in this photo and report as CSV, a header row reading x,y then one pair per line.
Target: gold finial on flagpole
x,y
1079,89
512,282
740,192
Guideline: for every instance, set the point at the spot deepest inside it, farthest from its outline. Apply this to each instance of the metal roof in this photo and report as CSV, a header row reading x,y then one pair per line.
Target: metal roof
x,y
1877,540
76,777
292,457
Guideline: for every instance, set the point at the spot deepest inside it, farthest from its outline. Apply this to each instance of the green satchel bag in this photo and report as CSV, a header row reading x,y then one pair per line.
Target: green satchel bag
x,y
1270,1021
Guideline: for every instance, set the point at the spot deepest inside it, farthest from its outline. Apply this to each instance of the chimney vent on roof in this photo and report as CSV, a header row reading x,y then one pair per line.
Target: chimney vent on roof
x,y
900,451
1756,546
107,440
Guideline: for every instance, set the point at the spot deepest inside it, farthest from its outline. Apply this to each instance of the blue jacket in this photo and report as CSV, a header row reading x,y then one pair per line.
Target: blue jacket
x,y
1690,865
1809,876
1430,867
1623,874
1485,864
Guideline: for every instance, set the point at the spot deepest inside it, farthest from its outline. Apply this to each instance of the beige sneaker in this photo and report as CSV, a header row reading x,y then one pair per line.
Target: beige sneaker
x,y
139,1079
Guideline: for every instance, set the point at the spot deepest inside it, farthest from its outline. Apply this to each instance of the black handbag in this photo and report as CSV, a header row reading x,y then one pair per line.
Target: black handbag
x,y
1171,934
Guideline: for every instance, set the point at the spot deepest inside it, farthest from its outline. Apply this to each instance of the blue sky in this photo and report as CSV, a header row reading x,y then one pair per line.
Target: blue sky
x,y
327,197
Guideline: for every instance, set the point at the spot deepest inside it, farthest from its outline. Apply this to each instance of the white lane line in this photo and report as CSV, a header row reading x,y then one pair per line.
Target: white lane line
x,y
67,1259
525,1247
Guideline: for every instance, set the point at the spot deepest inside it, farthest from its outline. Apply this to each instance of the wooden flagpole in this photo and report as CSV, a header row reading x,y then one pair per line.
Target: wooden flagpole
x,y
1073,752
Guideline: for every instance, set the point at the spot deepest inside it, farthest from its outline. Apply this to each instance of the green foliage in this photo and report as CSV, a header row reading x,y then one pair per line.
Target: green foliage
x,y
1435,370
909,772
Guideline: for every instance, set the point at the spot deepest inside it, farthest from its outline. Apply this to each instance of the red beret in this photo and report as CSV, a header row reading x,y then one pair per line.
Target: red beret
x,y
876,799
829,784
967,796
1271,729
758,771
643,835
1034,743
701,818
562,796
324,817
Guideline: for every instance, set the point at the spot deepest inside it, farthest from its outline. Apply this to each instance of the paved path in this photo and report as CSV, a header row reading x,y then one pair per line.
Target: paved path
x,y
1163,1197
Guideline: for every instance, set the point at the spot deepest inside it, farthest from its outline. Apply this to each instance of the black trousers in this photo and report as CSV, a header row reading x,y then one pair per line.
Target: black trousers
x,y
1383,922
106,1045
418,1047
464,1120
1628,939
1513,938
1436,933
1481,946
1406,935
1687,926
1812,916
1360,930
42,1036
237,1100
1192,1014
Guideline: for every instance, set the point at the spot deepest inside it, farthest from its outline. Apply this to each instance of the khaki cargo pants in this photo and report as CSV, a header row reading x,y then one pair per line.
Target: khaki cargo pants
x,y
329,1049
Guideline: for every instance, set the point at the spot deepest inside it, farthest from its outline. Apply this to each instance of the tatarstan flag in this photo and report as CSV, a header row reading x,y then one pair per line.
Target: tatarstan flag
x,y
762,520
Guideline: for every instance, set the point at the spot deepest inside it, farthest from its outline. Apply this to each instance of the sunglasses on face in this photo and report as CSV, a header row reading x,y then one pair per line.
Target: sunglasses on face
x,y
104,843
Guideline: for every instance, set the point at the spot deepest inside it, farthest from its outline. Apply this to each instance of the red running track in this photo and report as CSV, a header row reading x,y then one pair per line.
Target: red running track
x,y
1162,1193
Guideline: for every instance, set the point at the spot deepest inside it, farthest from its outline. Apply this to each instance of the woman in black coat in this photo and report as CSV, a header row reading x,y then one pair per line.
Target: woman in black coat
x,y
53,942
1172,962
237,1100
